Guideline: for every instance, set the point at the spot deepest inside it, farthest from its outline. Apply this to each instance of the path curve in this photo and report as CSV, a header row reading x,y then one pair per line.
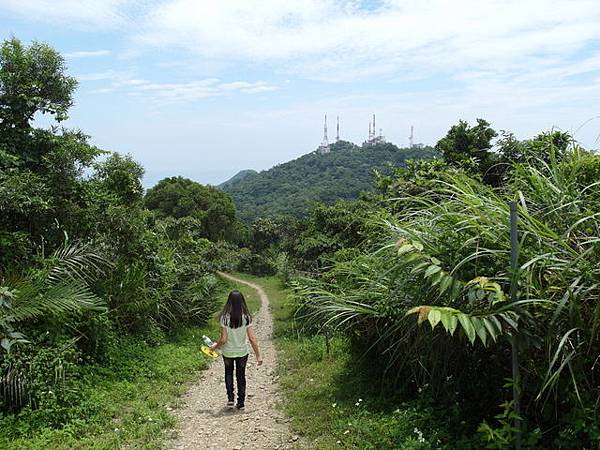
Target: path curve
x,y
205,423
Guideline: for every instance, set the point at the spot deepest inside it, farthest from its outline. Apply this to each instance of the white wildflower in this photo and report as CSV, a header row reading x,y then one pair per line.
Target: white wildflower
x,y
419,434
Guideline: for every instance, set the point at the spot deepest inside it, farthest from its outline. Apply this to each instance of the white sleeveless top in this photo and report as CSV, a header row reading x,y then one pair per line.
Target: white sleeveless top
x,y
237,342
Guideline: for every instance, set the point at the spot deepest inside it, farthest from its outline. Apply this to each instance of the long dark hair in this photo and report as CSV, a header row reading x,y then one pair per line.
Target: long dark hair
x,y
235,312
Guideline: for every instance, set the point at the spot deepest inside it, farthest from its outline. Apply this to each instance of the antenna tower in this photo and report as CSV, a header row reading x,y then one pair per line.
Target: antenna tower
x,y
325,139
374,127
337,137
411,138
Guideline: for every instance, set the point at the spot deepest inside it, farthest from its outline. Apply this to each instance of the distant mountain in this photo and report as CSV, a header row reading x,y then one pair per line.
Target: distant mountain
x,y
237,177
342,173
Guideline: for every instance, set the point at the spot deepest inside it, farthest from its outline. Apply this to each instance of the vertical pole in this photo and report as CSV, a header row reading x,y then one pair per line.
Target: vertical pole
x,y
516,373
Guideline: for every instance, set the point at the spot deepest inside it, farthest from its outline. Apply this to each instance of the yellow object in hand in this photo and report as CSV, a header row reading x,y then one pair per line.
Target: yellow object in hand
x,y
209,352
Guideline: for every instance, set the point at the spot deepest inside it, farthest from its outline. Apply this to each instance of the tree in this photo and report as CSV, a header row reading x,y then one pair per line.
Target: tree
x,y
468,147
265,232
41,189
32,80
121,177
180,197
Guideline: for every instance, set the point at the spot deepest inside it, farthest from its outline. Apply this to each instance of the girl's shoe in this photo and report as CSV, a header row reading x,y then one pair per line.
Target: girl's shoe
x,y
230,404
240,407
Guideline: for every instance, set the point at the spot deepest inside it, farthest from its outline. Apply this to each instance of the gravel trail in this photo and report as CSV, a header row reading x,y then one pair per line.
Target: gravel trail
x,y
204,421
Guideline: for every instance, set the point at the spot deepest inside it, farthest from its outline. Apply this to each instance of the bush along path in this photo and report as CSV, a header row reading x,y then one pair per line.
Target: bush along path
x,y
204,421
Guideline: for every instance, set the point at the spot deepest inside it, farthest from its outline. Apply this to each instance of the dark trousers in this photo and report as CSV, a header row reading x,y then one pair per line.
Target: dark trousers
x,y
240,376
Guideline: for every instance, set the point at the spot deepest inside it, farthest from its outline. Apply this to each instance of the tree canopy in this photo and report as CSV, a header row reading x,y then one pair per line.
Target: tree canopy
x,y
180,197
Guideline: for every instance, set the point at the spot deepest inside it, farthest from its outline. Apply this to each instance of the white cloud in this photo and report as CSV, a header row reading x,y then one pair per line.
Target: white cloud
x,y
340,39
134,82
117,76
103,91
91,14
183,91
86,54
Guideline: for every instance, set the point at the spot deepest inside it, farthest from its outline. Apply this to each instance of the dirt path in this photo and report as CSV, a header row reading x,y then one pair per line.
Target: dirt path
x,y
204,421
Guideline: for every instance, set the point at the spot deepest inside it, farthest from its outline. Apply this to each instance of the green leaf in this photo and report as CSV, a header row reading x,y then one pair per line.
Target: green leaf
x,y
445,283
467,326
5,343
498,294
438,277
412,257
418,245
480,329
405,249
431,270
446,320
434,317
453,323
497,323
491,328
419,267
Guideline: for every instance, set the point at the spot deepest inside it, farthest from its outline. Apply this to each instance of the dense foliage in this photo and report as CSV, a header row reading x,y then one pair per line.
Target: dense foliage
x,y
179,197
289,188
84,265
426,288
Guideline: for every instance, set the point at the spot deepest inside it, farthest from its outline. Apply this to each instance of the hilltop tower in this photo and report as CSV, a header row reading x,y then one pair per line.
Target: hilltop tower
x,y
374,128
324,147
374,137
411,139
337,136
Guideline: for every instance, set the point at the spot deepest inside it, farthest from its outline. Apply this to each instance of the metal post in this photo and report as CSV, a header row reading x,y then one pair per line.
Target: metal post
x,y
516,374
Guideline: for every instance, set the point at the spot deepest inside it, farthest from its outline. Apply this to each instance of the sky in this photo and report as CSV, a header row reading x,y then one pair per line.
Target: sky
x,y
205,88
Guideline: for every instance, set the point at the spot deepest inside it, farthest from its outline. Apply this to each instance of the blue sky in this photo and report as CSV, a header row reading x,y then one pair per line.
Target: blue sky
x,y
205,88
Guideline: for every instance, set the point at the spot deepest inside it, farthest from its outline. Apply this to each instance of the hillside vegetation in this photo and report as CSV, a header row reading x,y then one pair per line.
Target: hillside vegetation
x,y
289,188
237,177
418,280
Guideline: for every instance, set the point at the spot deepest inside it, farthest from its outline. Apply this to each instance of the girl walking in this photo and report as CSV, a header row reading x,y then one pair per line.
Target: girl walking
x,y
236,326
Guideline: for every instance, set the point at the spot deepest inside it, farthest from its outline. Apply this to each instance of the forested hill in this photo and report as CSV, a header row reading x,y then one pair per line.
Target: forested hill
x,y
290,187
237,177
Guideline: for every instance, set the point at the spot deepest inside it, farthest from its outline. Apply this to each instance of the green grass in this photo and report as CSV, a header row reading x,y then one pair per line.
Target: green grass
x,y
124,404
334,400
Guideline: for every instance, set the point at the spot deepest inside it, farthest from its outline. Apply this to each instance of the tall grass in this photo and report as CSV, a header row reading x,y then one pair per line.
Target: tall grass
x,y
433,300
